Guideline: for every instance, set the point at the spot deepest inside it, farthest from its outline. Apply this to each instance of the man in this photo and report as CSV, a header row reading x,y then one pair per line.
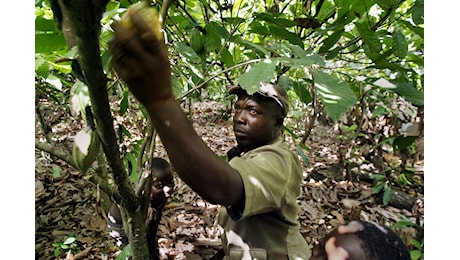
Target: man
x,y
258,187
361,240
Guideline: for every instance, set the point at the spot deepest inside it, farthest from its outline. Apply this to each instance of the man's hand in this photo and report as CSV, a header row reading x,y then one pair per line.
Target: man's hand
x,y
140,58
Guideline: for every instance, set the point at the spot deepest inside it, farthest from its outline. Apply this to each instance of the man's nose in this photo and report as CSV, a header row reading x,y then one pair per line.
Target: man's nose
x,y
240,117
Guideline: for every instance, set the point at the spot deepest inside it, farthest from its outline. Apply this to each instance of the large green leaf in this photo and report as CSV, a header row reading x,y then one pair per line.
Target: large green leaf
x,y
399,45
47,43
386,4
187,52
282,33
309,60
331,40
45,25
302,92
406,90
42,68
336,95
369,37
285,82
263,71
213,40
261,51
326,10
124,102
227,58
275,19
257,27
418,12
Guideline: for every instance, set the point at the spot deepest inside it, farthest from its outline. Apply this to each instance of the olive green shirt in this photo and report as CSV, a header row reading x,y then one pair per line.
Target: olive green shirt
x,y
272,176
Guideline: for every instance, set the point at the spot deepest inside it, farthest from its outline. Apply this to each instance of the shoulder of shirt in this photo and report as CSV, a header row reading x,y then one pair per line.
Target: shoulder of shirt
x,y
277,144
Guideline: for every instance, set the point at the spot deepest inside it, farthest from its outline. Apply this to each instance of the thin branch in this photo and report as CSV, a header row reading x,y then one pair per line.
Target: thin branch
x,y
58,153
164,11
67,158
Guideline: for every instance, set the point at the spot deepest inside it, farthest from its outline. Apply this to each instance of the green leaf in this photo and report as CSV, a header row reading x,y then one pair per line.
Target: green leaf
x,y
379,111
131,162
45,25
42,67
275,19
187,52
402,142
417,30
416,243
410,93
125,131
300,148
125,253
69,240
399,46
377,188
378,177
406,90
263,71
47,43
177,87
418,12
258,28
124,102
415,254
404,223
212,40
302,92
227,58
282,33
326,10
196,40
260,50
335,94
386,196
313,59
330,41
285,82
369,37
386,4
57,251
56,172
333,53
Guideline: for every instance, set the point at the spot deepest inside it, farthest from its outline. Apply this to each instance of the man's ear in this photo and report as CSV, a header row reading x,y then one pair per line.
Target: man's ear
x,y
279,122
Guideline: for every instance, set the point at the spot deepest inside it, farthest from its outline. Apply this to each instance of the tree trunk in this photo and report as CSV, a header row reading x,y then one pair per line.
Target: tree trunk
x,y
83,18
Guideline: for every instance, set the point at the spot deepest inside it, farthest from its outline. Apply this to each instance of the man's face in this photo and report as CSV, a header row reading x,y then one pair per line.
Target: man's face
x,y
256,121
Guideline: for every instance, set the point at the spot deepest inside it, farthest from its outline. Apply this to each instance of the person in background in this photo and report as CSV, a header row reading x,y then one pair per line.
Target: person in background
x,y
361,240
259,185
161,188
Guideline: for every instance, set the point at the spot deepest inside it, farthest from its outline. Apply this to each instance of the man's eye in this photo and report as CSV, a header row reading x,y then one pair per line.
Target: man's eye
x,y
253,111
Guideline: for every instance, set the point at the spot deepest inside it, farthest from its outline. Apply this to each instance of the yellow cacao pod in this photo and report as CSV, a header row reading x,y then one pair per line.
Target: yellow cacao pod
x,y
85,148
148,13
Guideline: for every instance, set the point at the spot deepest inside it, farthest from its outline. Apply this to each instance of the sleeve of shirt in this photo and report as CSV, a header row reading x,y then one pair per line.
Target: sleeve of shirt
x,y
265,175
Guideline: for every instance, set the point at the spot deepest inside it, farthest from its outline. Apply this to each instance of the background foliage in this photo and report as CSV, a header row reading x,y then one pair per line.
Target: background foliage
x,y
330,55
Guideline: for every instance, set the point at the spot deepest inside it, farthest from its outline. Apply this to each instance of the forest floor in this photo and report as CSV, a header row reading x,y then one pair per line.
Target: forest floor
x,y
66,204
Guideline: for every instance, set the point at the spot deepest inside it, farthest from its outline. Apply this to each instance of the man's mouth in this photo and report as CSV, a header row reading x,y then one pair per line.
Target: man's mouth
x,y
239,132
240,135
